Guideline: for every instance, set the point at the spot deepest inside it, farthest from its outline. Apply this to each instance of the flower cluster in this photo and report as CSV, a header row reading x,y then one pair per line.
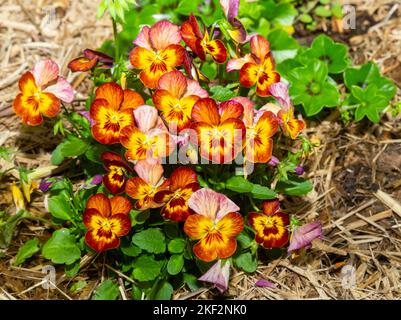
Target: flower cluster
x,y
170,112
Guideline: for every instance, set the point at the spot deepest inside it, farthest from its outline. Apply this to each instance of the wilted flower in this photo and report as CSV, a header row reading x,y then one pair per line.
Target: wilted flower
x,y
303,236
218,275
18,198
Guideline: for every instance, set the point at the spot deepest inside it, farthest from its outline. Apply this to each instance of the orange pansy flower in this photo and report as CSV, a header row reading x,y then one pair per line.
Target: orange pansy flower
x,y
112,111
183,183
158,51
271,225
216,223
42,90
175,96
148,138
117,170
256,68
107,220
220,132
201,44
290,125
149,181
261,126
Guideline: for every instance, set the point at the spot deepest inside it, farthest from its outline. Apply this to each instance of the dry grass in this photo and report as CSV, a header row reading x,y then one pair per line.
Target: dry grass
x,y
356,170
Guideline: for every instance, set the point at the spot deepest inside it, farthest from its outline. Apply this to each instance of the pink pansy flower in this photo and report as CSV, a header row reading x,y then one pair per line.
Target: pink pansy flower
x,y
42,90
149,138
218,275
158,51
303,236
279,91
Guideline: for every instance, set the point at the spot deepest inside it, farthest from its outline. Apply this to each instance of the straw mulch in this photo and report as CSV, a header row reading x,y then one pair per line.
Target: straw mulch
x,y
356,170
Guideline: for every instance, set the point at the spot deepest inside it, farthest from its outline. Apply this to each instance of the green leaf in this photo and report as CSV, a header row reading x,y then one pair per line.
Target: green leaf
x,y
74,147
26,251
371,103
164,292
60,206
61,248
191,281
305,18
151,240
326,50
107,290
175,264
322,11
244,240
221,93
310,87
282,45
57,156
247,262
7,229
239,184
263,193
94,152
176,245
295,187
367,74
131,250
146,268
71,270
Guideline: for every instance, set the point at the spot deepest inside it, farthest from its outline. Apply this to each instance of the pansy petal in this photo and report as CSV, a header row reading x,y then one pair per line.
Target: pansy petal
x,y
112,93
121,224
274,108
191,32
120,205
27,109
217,50
145,117
230,8
248,74
45,72
174,82
114,181
49,104
100,56
142,40
181,177
142,58
194,88
231,224
196,226
218,275
265,81
248,106
259,47
237,63
164,33
27,84
101,243
82,64
270,207
206,110
101,203
279,91
230,109
132,100
151,173
92,218
62,89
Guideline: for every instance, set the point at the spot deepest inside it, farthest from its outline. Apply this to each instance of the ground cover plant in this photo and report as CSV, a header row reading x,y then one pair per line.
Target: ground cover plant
x,y
191,137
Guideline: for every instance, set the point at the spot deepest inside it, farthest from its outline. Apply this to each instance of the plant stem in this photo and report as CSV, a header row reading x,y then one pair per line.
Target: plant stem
x,y
116,45
68,116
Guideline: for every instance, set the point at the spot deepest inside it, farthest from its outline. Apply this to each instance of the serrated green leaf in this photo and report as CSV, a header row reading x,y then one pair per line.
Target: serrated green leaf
x,y
61,247
151,240
26,251
131,250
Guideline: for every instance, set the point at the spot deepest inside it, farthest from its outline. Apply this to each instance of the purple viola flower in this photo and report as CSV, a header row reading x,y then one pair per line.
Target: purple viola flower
x,y
97,179
86,115
218,275
299,170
